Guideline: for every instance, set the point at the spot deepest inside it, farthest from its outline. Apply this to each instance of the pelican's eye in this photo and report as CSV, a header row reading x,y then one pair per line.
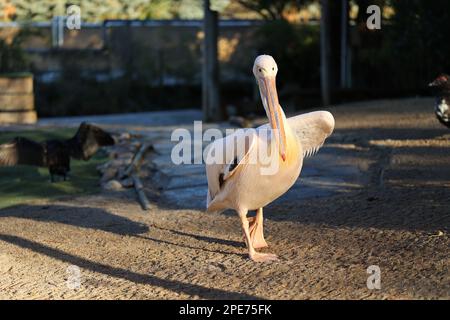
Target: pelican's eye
x,y
273,68
259,69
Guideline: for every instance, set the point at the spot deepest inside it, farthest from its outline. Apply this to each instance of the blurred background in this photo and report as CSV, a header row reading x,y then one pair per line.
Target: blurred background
x,y
142,55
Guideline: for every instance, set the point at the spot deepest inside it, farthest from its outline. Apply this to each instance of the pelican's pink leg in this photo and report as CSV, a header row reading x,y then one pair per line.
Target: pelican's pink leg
x,y
255,256
256,230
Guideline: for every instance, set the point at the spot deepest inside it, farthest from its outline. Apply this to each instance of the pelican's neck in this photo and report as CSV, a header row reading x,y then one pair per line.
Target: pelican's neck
x,y
292,146
284,126
283,117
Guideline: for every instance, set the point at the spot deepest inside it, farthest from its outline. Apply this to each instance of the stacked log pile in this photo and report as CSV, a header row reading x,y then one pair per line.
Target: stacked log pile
x,y
17,99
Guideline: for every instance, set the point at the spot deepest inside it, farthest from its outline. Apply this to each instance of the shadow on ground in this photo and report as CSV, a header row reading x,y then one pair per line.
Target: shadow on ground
x,y
83,217
177,286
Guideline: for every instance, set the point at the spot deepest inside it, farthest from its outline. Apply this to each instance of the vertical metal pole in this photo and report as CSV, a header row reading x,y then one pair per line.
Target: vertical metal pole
x,y
61,21
54,33
57,31
105,37
58,24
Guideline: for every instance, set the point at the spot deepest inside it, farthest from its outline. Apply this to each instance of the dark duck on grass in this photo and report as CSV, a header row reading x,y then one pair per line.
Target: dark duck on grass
x,y
55,154
441,87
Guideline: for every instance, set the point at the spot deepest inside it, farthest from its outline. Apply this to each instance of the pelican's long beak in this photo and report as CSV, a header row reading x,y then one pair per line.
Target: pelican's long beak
x,y
270,100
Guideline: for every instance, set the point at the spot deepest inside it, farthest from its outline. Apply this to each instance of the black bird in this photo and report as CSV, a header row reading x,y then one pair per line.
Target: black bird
x,y
441,86
55,154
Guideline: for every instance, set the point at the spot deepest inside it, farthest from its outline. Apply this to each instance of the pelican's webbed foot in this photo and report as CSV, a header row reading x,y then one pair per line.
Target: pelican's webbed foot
x,y
255,256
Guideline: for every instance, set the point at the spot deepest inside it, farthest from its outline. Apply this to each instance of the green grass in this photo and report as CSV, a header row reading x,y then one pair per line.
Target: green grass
x,y
22,184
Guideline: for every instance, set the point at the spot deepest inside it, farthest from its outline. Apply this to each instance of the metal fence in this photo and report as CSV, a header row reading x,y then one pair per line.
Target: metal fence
x,y
156,50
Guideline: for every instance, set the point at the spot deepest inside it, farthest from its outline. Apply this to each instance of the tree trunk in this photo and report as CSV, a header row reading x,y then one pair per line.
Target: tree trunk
x,y
210,81
325,52
344,46
331,27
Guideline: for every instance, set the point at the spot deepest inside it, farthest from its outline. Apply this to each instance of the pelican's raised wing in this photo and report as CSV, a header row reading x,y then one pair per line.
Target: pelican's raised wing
x,y
312,129
224,157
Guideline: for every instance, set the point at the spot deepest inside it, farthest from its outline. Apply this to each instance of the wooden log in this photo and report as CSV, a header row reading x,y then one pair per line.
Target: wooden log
x,y
132,171
26,117
16,102
137,159
16,84
139,187
16,98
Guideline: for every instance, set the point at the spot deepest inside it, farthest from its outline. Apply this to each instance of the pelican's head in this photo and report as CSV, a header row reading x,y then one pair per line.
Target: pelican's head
x,y
265,70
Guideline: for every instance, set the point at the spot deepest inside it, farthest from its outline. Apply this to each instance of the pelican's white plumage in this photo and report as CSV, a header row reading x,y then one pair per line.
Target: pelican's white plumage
x,y
238,183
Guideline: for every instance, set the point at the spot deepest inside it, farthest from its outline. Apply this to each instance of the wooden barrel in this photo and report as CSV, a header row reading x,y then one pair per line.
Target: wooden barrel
x,y
17,98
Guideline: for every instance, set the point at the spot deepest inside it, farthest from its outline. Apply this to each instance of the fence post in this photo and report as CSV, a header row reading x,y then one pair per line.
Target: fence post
x,y
57,31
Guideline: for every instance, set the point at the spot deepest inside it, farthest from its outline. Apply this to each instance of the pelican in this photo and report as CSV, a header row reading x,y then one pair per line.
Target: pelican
x,y
240,184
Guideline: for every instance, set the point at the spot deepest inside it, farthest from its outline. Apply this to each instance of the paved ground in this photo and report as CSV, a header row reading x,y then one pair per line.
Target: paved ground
x,y
377,194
